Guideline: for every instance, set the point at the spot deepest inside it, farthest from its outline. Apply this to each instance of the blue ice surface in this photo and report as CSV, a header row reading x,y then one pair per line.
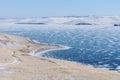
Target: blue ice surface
x,y
94,45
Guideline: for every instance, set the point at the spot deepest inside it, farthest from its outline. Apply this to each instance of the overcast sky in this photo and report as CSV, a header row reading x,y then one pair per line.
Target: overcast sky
x,y
44,8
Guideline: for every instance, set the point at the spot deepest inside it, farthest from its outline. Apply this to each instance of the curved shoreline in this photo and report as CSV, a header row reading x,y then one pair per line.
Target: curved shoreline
x,y
62,47
40,53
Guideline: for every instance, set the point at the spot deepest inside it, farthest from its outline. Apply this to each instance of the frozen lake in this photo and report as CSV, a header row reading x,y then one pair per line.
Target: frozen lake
x,y
98,46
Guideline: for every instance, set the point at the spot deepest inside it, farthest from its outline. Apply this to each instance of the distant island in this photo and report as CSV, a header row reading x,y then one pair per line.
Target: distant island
x,y
116,24
83,24
32,23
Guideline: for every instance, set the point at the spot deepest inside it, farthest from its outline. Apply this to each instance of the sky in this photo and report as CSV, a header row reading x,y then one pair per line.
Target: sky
x,y
46,8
